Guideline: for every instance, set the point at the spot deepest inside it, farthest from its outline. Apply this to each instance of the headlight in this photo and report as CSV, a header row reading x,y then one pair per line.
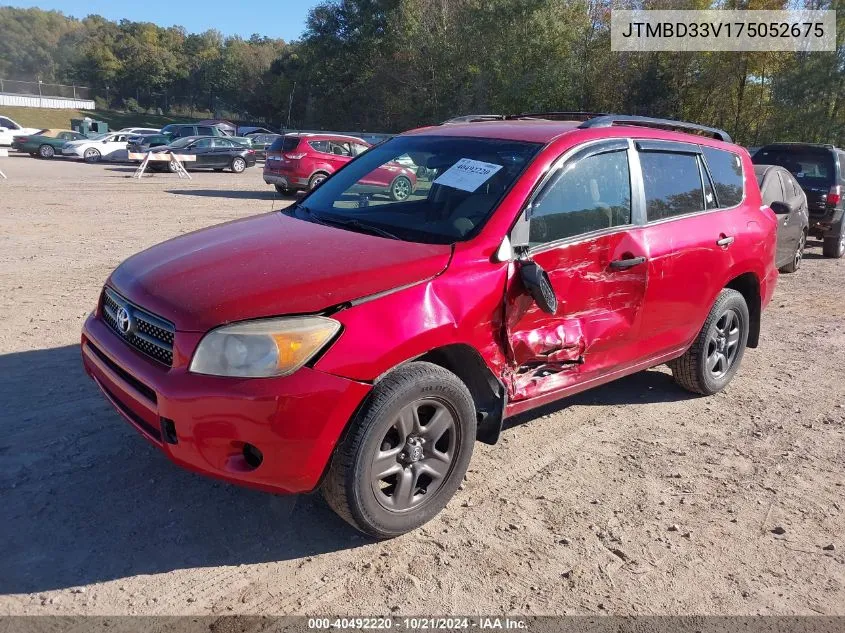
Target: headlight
x,y
267,347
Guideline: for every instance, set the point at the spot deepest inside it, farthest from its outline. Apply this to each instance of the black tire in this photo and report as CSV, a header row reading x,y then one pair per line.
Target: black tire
x,y
317,179
238,165
400,189
797,256
834,247
351,487
285,191
46,151
92,155
692,371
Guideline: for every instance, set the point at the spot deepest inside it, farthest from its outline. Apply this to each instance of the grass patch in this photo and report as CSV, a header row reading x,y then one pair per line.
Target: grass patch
x,y
60,119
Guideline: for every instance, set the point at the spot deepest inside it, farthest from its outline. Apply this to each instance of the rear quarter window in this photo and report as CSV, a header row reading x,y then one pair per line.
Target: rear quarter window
x,y
726,171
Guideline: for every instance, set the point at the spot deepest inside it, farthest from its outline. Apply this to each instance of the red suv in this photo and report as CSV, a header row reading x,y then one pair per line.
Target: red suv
x,y
362,344
303,161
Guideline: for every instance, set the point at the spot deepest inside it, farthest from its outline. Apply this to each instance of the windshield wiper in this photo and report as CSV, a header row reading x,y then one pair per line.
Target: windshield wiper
x,y
352,223
349,223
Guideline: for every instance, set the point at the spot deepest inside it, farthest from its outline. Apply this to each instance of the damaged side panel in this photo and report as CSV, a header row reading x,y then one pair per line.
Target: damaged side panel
x,y
598,313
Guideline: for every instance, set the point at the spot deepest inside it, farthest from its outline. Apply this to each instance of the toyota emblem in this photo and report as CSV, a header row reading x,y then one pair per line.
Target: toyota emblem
x,y
124,323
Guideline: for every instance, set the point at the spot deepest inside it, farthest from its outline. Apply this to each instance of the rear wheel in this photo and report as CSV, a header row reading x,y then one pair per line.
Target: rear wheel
x,y
92,155
406,452
46,151
834,246
317,180
714,357
238,165
797,256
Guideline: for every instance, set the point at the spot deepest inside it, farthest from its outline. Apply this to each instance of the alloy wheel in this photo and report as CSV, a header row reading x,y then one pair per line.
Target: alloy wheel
x,y
723,344
799,251
46,151
92,155
415,455
238,165
401,189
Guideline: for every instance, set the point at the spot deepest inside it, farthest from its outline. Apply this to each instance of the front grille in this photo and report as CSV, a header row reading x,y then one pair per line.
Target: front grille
x,y
144,331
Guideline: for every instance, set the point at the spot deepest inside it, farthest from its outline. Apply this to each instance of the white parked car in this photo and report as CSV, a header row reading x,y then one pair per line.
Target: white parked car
x,y
9,129
138,130
108,146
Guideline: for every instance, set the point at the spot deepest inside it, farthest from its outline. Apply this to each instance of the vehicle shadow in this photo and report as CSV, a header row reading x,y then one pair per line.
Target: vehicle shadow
x,y
645,387
86,499
232,194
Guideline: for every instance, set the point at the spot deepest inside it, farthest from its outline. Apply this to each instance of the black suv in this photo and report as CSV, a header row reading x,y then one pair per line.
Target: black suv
x,y
819,171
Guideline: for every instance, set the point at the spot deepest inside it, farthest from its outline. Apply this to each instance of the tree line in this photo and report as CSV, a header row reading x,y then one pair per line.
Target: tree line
x,y
389,65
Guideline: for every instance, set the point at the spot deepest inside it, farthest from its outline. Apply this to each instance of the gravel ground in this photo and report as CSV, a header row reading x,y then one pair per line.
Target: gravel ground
x,y
634,498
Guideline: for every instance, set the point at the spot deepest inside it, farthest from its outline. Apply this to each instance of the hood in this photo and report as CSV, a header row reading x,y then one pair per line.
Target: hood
x,y
268,265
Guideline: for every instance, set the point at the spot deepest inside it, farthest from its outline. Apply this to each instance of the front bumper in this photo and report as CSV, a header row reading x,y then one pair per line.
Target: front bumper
x,y
71,151
295,421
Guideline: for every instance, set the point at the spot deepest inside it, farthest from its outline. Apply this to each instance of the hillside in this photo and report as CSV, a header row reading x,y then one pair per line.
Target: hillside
x,y
51,118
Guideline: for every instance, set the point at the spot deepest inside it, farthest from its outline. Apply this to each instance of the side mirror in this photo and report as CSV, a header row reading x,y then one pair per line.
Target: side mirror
x,y
537,283
781,207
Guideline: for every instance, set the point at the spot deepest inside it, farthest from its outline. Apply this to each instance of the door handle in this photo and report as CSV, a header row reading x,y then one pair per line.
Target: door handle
x,y
726,241
624,264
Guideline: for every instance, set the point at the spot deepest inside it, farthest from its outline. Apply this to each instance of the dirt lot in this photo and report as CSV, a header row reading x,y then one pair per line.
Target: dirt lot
x,y
633,498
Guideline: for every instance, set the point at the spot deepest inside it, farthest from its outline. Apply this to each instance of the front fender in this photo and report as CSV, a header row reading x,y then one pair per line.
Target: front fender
x,y
384,332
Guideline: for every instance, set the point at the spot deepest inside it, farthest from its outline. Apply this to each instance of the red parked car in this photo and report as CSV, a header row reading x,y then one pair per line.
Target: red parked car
x,y
363,345
303,161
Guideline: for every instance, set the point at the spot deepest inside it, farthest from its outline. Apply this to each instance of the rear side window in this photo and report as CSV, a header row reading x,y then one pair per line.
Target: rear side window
x,y
672,184
726,169
320,146
204,131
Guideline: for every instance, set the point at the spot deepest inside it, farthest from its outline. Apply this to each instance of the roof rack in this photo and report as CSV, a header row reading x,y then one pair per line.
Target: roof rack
x,y
666,124
575,115
474,118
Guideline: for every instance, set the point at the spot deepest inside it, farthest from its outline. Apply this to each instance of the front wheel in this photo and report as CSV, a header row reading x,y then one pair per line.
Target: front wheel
x,y
406,452
92,155
834,247
46,151
714,357
238,165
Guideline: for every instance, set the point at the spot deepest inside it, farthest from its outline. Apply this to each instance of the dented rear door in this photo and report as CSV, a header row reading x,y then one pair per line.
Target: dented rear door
x,y
583,228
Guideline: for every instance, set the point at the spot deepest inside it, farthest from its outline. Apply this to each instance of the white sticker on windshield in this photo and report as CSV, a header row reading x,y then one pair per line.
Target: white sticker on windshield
x,y
467,174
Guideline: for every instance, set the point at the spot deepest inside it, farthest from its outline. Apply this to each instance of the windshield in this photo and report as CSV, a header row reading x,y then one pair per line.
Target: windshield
x,y
99,137
420,188
810,168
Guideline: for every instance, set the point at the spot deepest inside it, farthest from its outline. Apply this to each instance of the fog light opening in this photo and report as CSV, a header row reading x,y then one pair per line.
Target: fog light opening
x,y
252,456
168,431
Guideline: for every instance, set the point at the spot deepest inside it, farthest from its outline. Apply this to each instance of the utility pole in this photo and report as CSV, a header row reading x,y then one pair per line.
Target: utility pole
x,y
290,105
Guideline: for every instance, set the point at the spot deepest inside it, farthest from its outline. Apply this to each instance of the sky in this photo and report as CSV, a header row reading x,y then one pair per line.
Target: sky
x,y
274,18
